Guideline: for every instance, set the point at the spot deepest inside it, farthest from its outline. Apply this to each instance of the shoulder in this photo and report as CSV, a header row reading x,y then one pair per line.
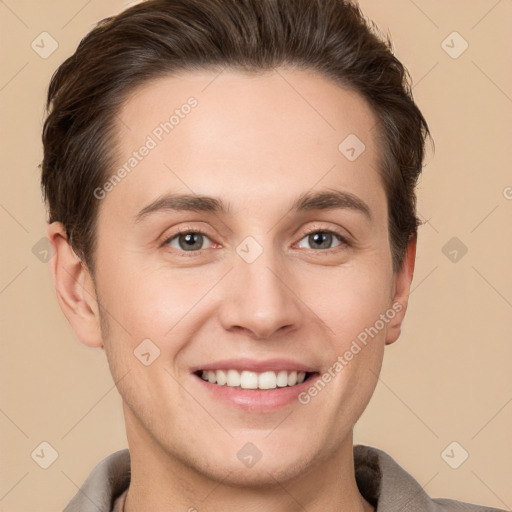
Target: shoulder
x,y
380,477
107,480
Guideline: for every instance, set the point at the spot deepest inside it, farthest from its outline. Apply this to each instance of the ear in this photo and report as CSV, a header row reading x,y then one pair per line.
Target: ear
x,y
75,288
403,280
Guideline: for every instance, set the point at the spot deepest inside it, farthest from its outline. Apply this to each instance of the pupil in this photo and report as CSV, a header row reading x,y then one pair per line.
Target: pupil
x,y
190,241
318,237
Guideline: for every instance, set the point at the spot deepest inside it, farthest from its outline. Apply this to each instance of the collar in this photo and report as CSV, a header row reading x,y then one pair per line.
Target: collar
x,y
380,479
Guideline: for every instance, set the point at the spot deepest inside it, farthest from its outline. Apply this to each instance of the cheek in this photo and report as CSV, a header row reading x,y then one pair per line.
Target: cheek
x,y
152,304
351,302
357,311
149,301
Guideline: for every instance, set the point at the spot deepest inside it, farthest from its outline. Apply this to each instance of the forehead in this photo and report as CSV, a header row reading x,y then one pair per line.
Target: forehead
x,y
251,137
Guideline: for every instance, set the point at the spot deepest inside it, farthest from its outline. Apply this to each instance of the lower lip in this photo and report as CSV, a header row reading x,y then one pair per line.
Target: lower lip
x,y
257,400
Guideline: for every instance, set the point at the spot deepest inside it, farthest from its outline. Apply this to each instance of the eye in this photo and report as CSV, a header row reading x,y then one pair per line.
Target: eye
x,y
190,241
322,239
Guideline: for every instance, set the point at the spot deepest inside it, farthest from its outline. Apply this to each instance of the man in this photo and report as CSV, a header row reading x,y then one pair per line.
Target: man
x,y
231,195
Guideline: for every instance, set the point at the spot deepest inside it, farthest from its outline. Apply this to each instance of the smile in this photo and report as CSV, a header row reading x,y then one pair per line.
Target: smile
x,y
253,380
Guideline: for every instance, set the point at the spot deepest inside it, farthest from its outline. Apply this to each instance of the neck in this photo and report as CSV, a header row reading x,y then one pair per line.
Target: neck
x,y
161,482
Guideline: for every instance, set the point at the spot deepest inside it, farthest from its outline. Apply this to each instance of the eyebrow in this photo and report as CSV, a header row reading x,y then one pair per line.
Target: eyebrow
x,y
323,200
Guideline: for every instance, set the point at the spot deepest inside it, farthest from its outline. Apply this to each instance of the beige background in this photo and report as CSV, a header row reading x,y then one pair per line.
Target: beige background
x,y
447,379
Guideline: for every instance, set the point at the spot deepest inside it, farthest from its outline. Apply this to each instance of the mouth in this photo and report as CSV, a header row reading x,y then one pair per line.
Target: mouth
x,y
251,380
252,385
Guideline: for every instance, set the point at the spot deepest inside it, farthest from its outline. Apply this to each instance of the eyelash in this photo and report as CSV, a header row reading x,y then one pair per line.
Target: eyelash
x,y
185,231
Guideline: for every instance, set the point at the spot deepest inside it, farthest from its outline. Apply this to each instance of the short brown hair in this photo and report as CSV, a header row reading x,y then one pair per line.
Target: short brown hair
x,y
158,37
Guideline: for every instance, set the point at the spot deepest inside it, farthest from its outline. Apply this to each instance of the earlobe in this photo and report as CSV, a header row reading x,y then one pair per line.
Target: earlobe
x,y
74,287
400,299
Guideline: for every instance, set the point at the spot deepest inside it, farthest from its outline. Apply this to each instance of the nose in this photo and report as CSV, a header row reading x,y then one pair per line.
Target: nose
x,y
259,299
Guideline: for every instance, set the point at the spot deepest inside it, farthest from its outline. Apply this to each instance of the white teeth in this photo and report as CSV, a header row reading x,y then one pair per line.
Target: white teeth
x,y
233,379
221,377
253,380
267,380
249,380
292,378
282,379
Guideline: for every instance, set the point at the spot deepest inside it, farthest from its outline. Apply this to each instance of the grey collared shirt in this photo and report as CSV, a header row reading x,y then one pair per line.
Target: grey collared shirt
x,y
380,479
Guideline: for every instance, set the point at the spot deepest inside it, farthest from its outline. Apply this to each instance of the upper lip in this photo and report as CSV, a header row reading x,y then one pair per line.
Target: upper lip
x,y
255,365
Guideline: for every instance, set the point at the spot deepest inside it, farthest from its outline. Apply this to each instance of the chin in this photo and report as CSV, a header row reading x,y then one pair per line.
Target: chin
x,y
243,464
264,474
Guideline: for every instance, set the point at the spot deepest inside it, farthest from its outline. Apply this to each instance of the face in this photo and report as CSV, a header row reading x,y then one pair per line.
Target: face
x,y
264,281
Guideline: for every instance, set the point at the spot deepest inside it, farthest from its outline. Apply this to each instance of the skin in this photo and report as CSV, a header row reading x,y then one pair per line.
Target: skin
x,y
296,300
